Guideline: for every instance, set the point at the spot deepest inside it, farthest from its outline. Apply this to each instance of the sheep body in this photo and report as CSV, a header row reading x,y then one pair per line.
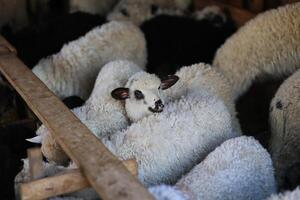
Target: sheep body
x,y
266,45
202,76
182,135
73,70
289,195
101,113
139,11
240,168
285,128
92,6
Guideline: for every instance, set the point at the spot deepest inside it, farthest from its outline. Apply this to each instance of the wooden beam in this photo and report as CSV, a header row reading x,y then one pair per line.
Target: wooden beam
x,y
240,16
35,160
5,47
66,182
105,173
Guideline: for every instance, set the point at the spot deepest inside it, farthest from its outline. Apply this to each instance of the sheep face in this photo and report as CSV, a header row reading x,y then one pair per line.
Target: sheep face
x,y
143,94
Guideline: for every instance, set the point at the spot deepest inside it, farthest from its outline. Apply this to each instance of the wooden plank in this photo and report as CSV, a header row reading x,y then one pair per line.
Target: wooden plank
x,y
69,181
104,171
240,16
5,47
35,160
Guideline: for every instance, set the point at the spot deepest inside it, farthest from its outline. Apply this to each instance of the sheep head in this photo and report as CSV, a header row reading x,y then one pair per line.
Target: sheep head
x,y
143,94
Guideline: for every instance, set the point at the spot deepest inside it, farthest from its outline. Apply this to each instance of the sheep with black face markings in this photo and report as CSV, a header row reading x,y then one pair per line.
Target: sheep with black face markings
x,y
100,113
189,129
240,168
266,45
139,11
73,71
285,128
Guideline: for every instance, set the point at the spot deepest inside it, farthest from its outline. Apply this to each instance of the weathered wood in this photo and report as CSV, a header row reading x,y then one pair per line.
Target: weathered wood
x,y
240,16
104,171
35,160
5,47
70,181
66,182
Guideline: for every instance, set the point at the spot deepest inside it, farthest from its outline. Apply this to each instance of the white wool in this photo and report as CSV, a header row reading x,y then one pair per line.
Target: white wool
x,y
285,128
202,77
168,144
73,71
288,195
138,11
267,45
165,192
240,168
102,114
101,7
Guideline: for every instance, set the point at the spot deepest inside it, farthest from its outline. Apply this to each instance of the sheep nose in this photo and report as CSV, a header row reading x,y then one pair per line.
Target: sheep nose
x,y
159,105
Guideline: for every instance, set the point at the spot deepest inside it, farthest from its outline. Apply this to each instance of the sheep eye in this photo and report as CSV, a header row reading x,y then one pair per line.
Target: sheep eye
x,y
138,94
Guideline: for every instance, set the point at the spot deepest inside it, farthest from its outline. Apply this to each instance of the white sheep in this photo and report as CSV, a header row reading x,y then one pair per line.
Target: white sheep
x,y
202,76
139,11
288,195
101,7
285,128
269,44
240,168
73,71
168,144
101,113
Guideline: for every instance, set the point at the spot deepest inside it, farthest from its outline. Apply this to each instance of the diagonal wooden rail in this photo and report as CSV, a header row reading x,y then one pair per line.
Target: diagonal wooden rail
x,y
105,173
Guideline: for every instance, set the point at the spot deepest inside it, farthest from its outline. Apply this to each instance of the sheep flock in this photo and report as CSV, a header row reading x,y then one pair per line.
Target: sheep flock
x,y
159,82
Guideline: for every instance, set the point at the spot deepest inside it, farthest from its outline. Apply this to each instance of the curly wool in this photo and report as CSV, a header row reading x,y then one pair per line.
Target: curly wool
x,y
266,45
289,195
192,125
240,168
285,128
102,114
73,71
202,77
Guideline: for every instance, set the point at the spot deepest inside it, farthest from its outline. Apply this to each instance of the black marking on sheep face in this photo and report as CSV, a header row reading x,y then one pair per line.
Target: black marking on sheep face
x,y
124,12
138,95
159,107
279,105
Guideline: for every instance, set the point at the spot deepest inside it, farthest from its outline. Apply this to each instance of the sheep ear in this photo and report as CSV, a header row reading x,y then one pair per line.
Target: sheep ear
x,y
120,93
168,82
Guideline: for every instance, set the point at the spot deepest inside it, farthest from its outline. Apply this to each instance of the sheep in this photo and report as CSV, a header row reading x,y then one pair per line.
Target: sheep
x,y
203,76
266,45
73,70
101,113
184,40
139,11
285,127
168,144
240,168
92,6
34,42
289,195
13,13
